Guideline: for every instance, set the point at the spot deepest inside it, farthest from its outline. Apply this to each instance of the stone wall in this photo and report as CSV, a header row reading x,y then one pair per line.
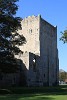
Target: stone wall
x,y
11,79
48,51
40,55
30,29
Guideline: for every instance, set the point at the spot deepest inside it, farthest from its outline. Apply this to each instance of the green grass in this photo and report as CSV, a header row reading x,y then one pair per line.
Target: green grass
x,y
33,97
34,93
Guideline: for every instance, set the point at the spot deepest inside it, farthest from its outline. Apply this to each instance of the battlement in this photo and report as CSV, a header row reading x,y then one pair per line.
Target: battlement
x,y
31,17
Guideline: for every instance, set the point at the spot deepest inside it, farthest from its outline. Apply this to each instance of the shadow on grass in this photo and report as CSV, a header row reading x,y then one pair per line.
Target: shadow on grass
x,y
26,97
60,90
32,93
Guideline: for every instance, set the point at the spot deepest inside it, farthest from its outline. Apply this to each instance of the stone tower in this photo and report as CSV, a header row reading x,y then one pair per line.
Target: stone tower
x,y
40,51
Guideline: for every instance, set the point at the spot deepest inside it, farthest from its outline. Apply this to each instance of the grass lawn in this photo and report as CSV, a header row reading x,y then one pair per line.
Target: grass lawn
x,y
36,93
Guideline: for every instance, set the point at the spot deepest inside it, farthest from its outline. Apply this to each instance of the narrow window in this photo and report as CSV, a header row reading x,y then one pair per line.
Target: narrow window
x,y
30,30
44,75
34,64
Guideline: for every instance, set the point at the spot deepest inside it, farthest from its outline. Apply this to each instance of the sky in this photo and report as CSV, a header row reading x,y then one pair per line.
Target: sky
x,y
53,11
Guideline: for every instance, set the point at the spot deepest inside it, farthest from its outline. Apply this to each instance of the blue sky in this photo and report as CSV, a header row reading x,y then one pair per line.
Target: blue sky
x,y
53,11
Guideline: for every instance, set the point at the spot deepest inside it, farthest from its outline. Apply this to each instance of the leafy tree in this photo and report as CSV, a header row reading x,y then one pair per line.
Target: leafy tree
x,y
64,36
10,39
62,76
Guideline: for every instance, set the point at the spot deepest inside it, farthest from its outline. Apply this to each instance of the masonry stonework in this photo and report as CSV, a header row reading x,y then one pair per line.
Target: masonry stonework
x,y
40,51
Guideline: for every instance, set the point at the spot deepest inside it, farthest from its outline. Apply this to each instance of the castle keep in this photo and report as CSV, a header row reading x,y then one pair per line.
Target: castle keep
x,y
40,51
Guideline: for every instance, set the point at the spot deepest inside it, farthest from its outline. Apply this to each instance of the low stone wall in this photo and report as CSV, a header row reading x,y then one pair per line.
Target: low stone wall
x,y
11,79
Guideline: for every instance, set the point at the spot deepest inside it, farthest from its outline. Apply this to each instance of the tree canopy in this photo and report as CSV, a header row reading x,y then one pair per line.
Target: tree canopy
x,y
64,36
10,39
62,76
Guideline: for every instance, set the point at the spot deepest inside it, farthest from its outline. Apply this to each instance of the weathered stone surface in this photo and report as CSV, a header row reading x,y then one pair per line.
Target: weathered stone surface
x,y
40,51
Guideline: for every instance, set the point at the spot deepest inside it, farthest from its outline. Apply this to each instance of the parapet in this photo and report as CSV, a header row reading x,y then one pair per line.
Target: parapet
x,y
31,17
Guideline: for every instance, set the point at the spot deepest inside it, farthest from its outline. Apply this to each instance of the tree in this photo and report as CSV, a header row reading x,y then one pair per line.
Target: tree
x,y
10,39
62,76
64,36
